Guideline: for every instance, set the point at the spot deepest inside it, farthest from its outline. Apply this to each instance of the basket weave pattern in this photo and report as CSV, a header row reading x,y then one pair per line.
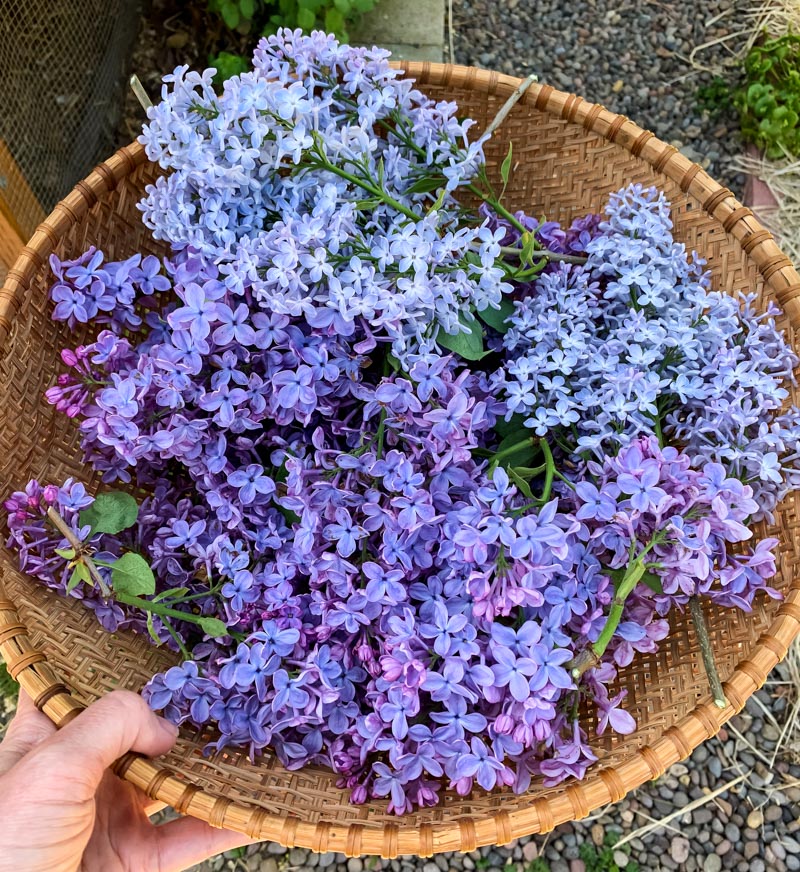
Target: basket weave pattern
x,y
569,155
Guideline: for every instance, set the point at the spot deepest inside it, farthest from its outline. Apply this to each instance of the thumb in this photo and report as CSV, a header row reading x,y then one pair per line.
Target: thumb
x,y
119,722
28,729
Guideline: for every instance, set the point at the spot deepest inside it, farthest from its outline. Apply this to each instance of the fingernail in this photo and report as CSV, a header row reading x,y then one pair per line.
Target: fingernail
x,y
168,727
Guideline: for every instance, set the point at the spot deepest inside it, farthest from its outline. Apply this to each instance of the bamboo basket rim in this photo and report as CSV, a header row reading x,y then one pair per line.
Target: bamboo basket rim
x,y
601,785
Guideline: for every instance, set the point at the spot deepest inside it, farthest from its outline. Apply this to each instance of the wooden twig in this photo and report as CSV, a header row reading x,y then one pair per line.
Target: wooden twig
x,y
79,548
141,95
509,105
701,628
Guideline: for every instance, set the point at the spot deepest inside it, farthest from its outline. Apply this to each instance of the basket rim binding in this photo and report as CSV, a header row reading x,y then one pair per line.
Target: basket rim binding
x,y
603,785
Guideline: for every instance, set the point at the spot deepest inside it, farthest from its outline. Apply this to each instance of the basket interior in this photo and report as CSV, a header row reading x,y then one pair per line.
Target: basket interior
x,y
561,171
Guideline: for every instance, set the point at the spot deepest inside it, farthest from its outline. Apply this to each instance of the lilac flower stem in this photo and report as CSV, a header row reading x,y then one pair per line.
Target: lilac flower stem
x,y
707,652
506,108
590,657
380,434
80,551
544,252
550,469
367,186
513,449
159,609
499,208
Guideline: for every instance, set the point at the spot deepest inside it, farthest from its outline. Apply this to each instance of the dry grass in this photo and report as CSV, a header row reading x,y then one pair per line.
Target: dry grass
x,y
785,682
776,17
782,177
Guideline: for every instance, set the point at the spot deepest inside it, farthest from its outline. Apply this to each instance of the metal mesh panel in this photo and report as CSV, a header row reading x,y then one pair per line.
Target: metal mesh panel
x,y
63,65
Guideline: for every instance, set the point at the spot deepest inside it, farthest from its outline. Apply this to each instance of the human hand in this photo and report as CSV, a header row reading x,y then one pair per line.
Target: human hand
x,y
61,809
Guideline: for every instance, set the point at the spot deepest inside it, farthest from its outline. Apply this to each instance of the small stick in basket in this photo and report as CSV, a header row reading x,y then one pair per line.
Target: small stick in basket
x,y
701,628
509,105
79,548
141,95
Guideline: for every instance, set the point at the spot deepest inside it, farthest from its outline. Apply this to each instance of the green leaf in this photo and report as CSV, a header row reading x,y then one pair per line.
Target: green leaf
x,y
505,167
363,5
228,64
334,21
230,15
393,362
66,553
425,185
497,318
653,581
469,344
213,627
173,593
132,575
247,8
343,6
111,512
524,455
79,574
520,482
151,629
646,577
515,424
306,19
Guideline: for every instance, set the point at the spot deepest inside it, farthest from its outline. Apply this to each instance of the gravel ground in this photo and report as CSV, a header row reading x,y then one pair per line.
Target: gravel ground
x,y
629,55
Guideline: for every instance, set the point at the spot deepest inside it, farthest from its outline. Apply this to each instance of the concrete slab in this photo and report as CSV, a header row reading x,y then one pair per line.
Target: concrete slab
x,y
412,29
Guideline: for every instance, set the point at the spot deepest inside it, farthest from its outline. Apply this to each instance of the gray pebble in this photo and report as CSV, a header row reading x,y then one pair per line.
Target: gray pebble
x,y
732,832
275,848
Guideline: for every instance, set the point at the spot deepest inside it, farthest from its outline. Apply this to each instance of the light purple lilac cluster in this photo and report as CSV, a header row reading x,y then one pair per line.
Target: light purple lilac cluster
x,y
409,550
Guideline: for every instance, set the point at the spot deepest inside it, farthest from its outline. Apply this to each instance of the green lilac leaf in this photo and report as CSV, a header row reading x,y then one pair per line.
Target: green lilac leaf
x,y
515,424
519,481
524,455
468,345
425,185
213,627
66,553
79,574
111,512
505,167
132,575
151,629
230,15
497,319
306,19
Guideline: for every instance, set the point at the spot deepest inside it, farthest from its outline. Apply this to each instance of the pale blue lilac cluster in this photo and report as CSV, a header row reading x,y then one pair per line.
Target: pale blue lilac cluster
x,y
409,549
274,181
635,343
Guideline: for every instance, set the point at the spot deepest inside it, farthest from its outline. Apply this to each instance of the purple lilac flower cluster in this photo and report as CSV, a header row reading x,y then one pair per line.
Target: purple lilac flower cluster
x,y
373,554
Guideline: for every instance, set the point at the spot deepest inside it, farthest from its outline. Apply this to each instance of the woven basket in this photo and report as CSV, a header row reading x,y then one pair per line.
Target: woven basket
x,y
569,155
